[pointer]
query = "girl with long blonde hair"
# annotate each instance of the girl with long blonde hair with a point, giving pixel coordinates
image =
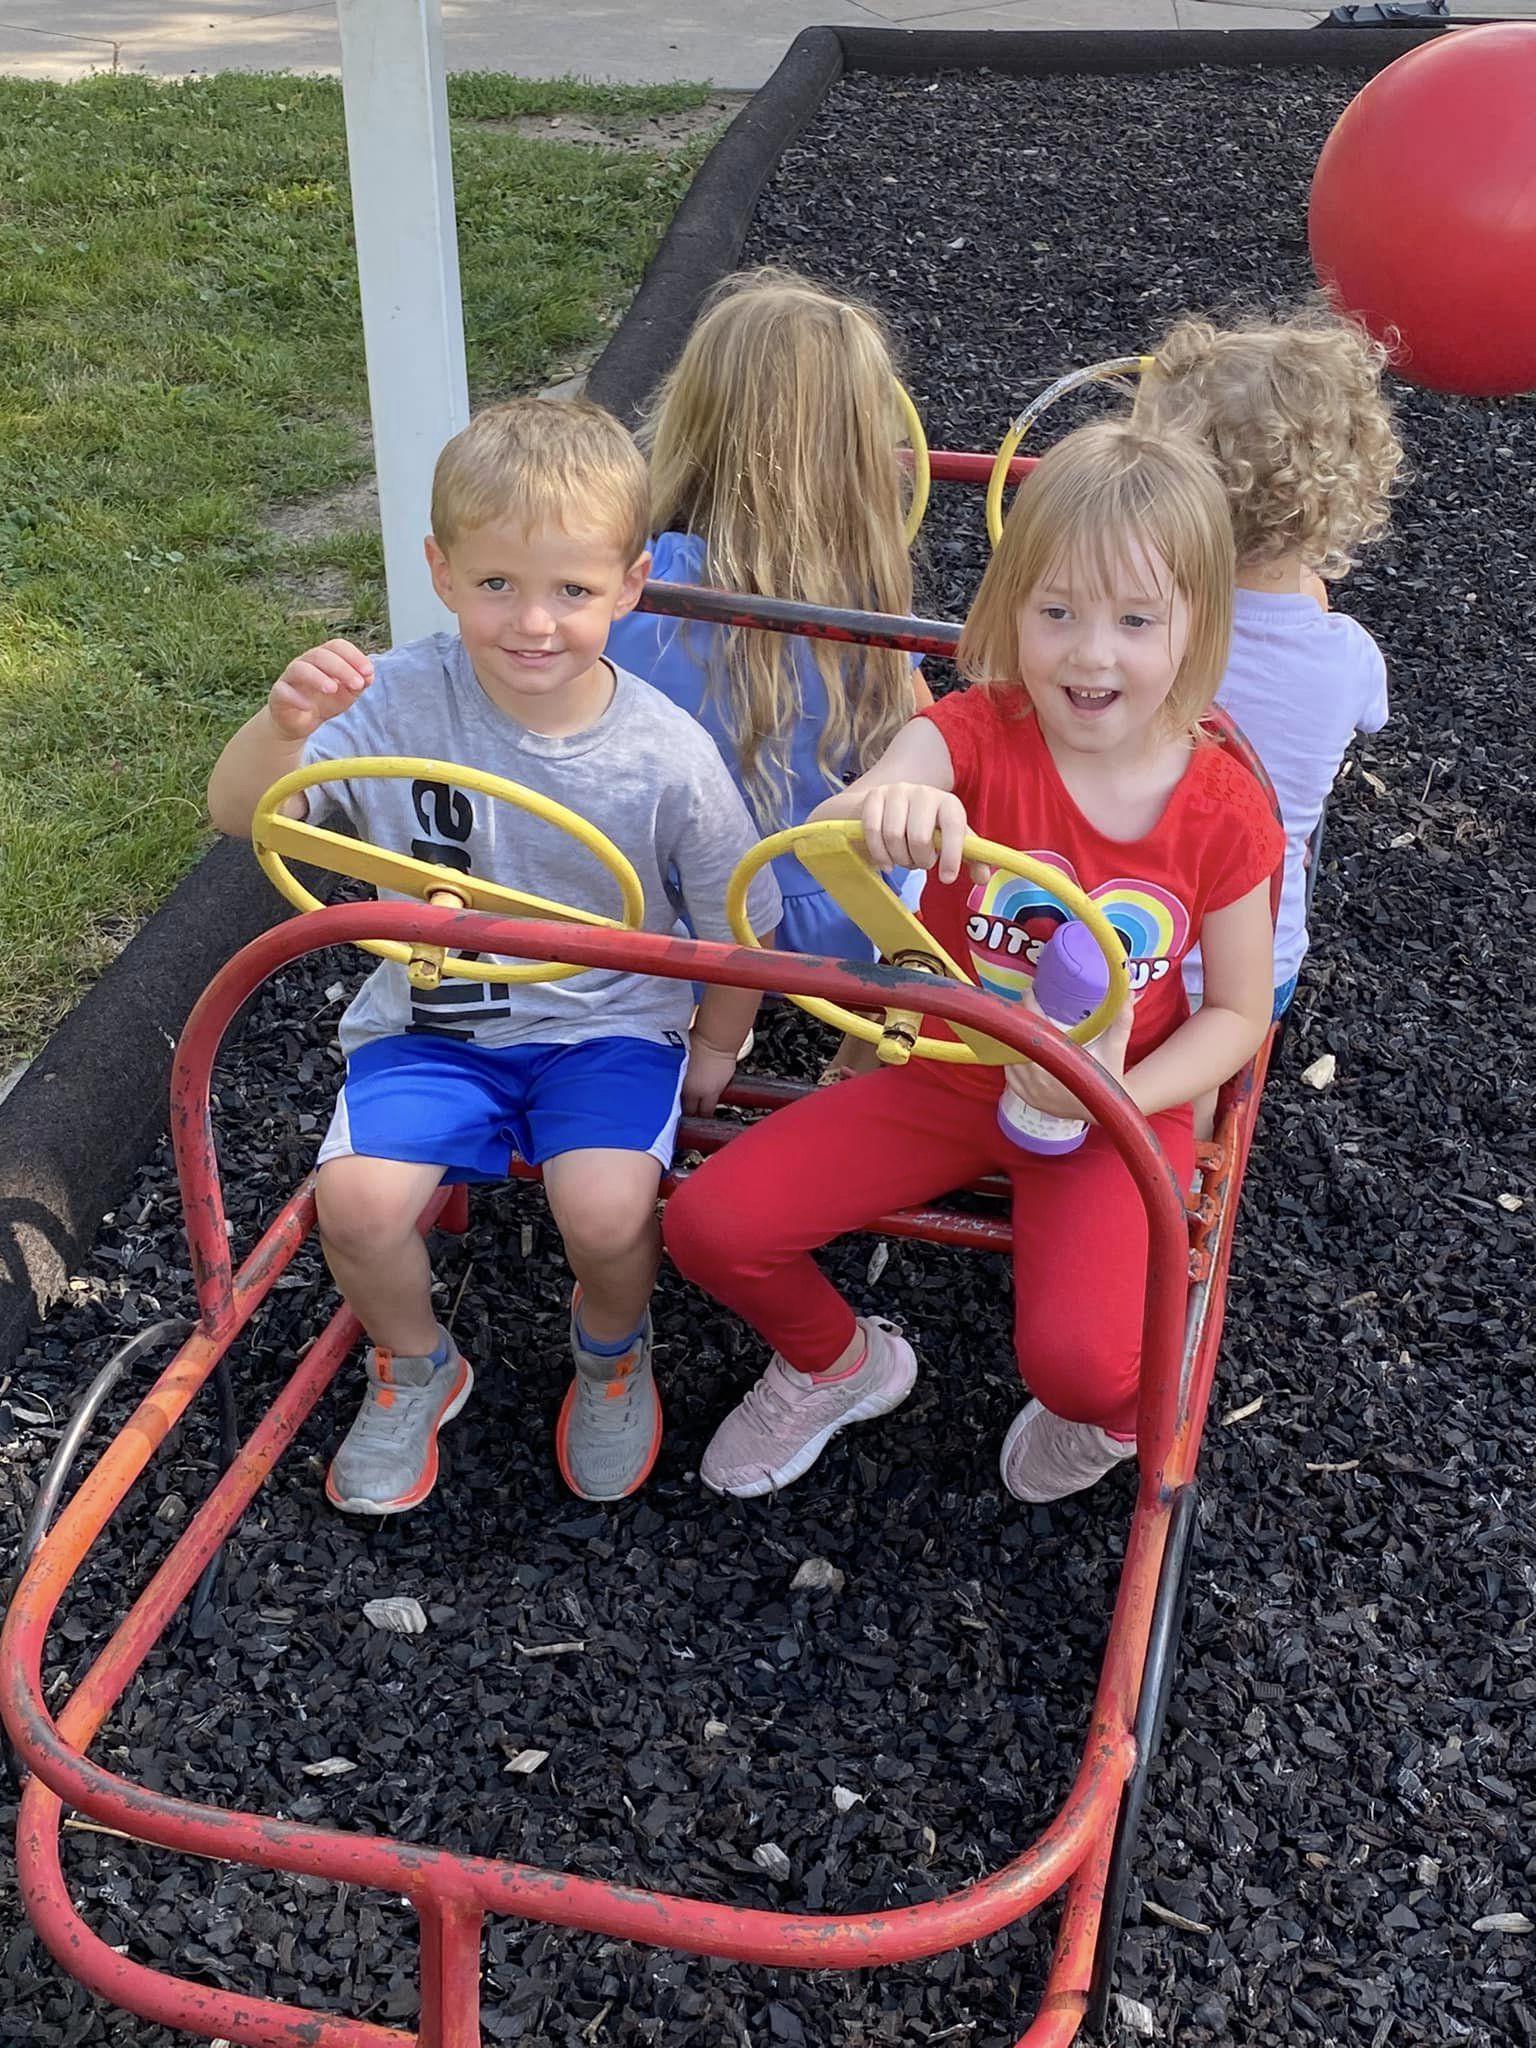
(775, 472)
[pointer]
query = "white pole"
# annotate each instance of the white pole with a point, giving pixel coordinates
(408, 270)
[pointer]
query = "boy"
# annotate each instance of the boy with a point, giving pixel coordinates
(539, 521)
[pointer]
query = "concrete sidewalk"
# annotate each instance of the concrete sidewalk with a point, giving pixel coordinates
(734, 43)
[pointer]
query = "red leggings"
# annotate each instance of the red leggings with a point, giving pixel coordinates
(743, 1227)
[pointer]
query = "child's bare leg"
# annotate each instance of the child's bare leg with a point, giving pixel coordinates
(609, 1431)
(417, 1381)
(368, 1209)
(605, 1204)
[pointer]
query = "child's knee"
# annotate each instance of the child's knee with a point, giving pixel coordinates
(362, 1208)
(609, 1228)
(604, 1214)
(1075, 1382)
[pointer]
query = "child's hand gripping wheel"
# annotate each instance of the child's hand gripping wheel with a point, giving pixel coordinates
(833, 851)
(278, 839)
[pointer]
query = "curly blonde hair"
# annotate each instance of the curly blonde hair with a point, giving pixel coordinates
(774, 439)
(1096, 496)
(1293, 413)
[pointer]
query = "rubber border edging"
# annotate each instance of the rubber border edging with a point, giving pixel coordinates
(85, 1114)
(704, 237)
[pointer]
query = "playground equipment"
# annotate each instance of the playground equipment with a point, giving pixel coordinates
(1085, 1854)
(1422, 220)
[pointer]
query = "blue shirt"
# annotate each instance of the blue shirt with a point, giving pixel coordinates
(674, 656)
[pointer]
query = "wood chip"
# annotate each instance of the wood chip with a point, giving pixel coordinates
(549, 1649)
(845, 1800)
(713, 1730)
(330, 1767)
(525, 1240)
(770, 1857)
(879, 1258)
(1242, 1414)
(1173, 1919)
(1512, 1203)
(1502, 1923)
(402, 1616)
(1427, 1870)
(1321, 1072)
(1137, 2017)
(1348, 1465)
(95, 1827)
(1374, 780)
(816, 1575)
(527, 1761)
(1401, 839)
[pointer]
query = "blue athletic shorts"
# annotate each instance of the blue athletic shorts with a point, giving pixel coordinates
(468, 1108)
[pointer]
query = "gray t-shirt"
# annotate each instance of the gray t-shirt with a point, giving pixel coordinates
(645, 774)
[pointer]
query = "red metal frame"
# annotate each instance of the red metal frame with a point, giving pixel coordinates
(453, 1893)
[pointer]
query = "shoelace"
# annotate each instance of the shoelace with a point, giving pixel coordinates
(389, 1426)
(769, 1402)
(603, 1406)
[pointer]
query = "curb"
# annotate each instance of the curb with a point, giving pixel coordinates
(87, 1111)
(84, 1115)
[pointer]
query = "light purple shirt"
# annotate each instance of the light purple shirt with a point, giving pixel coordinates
(1301, 682)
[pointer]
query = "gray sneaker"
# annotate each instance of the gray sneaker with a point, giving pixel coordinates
(388, 1459)
(610, 1421)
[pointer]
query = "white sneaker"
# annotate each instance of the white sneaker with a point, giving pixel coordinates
(785, 1423)
(1045, 1457)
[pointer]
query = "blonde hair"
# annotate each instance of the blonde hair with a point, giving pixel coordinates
(1096, 494)
(542, 462)
(774, 441)
(1294, 415)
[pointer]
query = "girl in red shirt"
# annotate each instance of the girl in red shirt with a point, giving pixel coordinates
(1102, 622)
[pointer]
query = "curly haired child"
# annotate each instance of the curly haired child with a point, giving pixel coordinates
(1292, 413)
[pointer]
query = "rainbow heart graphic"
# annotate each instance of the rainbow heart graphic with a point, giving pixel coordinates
(1010, 919)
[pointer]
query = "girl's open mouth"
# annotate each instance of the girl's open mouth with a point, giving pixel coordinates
(1090, 701)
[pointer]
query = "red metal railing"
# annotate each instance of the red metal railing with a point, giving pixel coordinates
(453, 1893)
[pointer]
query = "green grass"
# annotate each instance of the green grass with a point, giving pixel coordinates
(180, 354)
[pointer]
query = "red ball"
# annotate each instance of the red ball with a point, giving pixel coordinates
(1422, 221)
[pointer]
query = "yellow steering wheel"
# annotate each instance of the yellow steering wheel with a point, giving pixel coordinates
(1096, 373)
(279, 839)
(833, 851)
(922, 469)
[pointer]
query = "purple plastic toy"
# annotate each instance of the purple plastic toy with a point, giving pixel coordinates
(1071, 980)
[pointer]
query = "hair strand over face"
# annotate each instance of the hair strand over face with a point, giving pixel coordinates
(1098, 497)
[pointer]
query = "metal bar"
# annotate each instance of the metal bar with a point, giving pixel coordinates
(946, 466)
(815, 1941)
(153, 1995)
(809, 621)
(1151, 1709)
(450, 1973)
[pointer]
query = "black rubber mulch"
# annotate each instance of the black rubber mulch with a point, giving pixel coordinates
(1347, 1788)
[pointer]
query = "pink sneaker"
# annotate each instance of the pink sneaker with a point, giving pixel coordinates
(785, 1423)
(1045, 1457)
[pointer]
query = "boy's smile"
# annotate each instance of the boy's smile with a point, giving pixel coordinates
(534, 611)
